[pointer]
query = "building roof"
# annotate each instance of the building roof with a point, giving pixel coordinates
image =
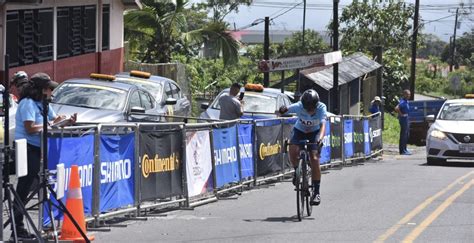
(132, 4)
(276, 36)
(351, 67)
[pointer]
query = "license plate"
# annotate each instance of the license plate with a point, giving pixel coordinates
(466, 148)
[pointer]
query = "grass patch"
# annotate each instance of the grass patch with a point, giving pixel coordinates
(391, 132)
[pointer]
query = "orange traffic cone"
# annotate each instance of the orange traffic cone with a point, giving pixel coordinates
(75, 206)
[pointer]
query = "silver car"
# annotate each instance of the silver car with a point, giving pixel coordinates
(451, 136)
(104, 101)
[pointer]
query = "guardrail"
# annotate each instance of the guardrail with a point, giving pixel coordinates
(128, 168)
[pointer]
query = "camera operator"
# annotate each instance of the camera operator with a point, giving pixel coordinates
(29, 124)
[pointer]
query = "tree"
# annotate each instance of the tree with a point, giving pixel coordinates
(221, 8)
(464, 50)
(432, 46)
(314, 43)
(162, 27)
(368, 24)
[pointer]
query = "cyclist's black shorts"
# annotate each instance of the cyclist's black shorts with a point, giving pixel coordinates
(297, 136)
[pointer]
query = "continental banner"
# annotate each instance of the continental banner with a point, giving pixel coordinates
(225, 155)
(358, 136)
(287, 131)
(269, 149)
(375, 133)
(348, 138)
(161, 164)
(336, 138)
(326, 149)
(117, 171)
(246, 150)
(367, 148)
(198, 162)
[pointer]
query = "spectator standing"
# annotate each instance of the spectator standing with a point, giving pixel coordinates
(231, 106)
(375, 105)
(402, 109)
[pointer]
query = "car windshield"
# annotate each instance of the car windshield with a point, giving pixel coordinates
(90, 96)
(254, 103)
(154, 88)
(458, 112)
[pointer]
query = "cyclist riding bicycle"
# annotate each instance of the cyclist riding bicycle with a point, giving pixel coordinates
(311, 125)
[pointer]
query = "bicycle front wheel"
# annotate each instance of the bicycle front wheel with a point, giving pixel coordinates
(299, 195)
(306, 185)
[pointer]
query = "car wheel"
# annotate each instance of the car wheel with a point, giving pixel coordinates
(435, 161)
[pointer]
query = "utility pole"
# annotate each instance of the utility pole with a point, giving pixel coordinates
(413, 50)
(453, 47)
(302, 48)
(335, 47)
(379, 59)
(266, 51)
(304, 24)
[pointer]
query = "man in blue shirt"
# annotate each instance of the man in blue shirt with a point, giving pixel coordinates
(402, 109)
(310, 125)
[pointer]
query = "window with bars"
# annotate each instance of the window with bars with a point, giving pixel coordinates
(76, 27)
(106, 27)
(29, 36)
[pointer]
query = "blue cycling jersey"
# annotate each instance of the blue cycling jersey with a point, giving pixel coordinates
(306, 122)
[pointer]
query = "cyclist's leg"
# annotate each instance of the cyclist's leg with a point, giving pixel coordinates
(315, 170)
(294, 149)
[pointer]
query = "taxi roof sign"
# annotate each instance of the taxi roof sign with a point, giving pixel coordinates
(469, 96)
(254, 87)
(140, 74)
(100, 76)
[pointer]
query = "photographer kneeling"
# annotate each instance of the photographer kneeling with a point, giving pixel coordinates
(29, 124)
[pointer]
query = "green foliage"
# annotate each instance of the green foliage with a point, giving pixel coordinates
(367, 24)
(432, 46)
(395, 77)
(464, 50)
(391, 133)
(221, 8)
(314, 43)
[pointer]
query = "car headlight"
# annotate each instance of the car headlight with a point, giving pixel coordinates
(438, 134)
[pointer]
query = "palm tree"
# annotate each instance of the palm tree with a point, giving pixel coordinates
(161, 28)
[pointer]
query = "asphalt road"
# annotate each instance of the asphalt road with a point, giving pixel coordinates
(396, 199)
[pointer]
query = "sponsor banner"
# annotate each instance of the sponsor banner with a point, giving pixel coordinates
(348, 139)
(269, 149)
(72, 151)
(117, 171)
(366, 138)
(336, 151)
(287, 131)
(161, 164)
(326, 149)
(225, 155)
(300, 62)
(358, 135)
(375, 133)
(198, 162)
(246, 150)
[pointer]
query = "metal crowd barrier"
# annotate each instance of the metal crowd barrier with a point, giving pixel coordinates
(188, 164)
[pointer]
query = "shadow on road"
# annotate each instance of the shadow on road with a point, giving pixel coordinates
(277, 219)
(452, 164)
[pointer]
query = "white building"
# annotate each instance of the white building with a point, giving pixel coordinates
(64, 38)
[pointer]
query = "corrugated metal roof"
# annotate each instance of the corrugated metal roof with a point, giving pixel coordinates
(351, 67)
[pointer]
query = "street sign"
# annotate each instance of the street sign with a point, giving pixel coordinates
(299, 62)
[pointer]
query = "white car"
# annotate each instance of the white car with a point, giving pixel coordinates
(451, 136)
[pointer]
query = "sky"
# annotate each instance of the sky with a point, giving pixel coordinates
(438, 15)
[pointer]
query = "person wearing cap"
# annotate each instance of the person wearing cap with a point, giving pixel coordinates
(20, 81)
(29, 124)
(375, 105)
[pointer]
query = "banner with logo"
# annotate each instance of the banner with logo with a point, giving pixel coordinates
(376, 133)
(358, 135)
(198, 162)
(117, 171)
(225, 155)
(288, 125)
(348, 139)
(72, 151)
(366, 138)
(269, 149)
(246, 150)
(161, 162)
(326, 149)
(336, 151)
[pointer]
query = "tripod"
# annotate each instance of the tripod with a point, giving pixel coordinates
(8, 190)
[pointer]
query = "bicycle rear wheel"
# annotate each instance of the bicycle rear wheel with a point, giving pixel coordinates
(306, 185)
